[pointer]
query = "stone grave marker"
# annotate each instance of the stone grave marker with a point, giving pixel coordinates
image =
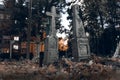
(51, 43)
(80, 43)
(117, 52)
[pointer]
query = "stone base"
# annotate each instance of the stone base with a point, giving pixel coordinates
(51, 50)
(80, 49)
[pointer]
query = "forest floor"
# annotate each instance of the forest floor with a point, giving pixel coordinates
(97, 68)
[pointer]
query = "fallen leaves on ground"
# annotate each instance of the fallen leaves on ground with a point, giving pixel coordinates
(96, 68)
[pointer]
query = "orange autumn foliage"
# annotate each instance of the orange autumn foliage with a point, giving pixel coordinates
(61, 45)
(42, 47)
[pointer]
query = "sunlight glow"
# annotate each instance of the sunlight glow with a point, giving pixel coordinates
(1, 1)
(64, 20)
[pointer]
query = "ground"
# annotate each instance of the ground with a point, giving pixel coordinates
(96, 68)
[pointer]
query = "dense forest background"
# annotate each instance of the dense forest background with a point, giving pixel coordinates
(101, 19)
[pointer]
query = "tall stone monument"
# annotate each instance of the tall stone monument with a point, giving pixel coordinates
(51, 43)
(80, 45)
(117, 52)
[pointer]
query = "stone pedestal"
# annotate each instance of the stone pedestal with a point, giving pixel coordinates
(51, 49)
(80, 49)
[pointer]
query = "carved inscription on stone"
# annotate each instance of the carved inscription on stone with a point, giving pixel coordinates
(83, 49)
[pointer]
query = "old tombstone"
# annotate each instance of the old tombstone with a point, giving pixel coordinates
(117, 52)
(51, 43)
(80, 45)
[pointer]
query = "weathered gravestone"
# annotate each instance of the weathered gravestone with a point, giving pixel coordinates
(117, 52)
(51, 43)
(80, 45)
